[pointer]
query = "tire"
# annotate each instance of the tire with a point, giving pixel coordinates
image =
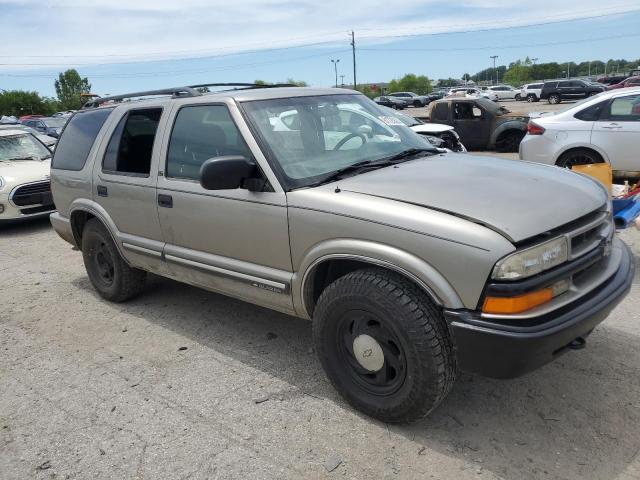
(418, 363)
(554, 99)
(579, 156)
(531, 98)
(509, 141)
(518, 97)
(591, 94)
(395, 106)
(109, 274)
(417, 103)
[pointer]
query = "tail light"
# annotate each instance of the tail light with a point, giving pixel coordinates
(534, 129)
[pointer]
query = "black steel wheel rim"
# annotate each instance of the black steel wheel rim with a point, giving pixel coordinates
(578, 159)
(104, 263)
(390, 378)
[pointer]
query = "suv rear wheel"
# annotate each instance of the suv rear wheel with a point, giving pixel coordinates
(531, 98)
(109, 274)
(554, 99)
(579, 156)
(417, 103)
(384, 345)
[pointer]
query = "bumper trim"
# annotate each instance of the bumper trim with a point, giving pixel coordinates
(62, 226)
(504, 351)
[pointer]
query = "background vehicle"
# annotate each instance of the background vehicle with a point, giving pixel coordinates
(411, 98)
(51, 126)
(50, 142)
(605, 128)
(531, 92)
(558, 90)
(395, 252)
(391, 102)
(505, 92)
(439, 135)
(437, 95)
(480, 123)
(612, 80)
(472, 92)
(24, 176)
(629, 82)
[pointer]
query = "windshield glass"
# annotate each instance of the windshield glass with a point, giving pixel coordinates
(21, 147)
(310, 137)
(55, 122)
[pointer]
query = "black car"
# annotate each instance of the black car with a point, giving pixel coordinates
(391, 102)
(558, 90)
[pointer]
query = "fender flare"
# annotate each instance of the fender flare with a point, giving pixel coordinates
(416, 269)
(503, 127)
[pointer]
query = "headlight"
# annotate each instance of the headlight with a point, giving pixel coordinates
(531, 261)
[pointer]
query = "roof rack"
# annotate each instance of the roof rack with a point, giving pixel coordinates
(188, 91)
(175, 92)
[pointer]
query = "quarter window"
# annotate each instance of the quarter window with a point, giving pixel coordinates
(131, 146)
(207, 131)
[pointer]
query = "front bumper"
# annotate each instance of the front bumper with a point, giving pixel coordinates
(503, 351)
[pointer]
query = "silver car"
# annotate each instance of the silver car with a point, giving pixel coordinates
(315, 202)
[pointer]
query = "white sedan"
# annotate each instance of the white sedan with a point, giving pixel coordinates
(25, 166)
(602, 128)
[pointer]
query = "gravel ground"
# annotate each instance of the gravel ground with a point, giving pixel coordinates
(181, 383)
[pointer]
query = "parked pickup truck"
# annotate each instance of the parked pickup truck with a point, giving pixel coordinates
(481, 123)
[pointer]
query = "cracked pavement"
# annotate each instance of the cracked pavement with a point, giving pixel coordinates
(90, 389)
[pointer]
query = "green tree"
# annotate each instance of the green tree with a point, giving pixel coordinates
(411, 82)
(517, 74)
(19, 102)
(69, 86)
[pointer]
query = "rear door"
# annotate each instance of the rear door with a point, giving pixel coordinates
(124, 183)
(618, 132)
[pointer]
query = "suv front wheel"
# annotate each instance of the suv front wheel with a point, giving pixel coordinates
(108, 272)
(384, 345)
(554, 99)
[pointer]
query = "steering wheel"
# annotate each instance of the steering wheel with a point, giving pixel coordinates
(349, 137)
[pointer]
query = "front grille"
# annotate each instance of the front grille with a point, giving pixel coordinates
(584, 238)
(32, 194)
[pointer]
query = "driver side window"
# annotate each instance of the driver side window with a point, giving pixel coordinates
(199, 133)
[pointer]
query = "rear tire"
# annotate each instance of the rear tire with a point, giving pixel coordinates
(554, 99)
(518, 97)
(412, 364)
(509, 141)
(531, 98)
(109, 274)
(579, 156)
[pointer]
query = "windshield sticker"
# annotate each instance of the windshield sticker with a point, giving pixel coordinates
(390, 120)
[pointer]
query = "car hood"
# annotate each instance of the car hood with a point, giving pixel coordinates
(25, 171)
(517, 199)
(431, 128)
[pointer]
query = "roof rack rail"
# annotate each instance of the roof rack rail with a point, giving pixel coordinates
(176, 92)
(247, 85)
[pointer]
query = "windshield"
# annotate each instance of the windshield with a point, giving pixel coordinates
(311, 137)
(55, 122)
(22, 147)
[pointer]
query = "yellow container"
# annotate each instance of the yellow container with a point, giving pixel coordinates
(599, 171)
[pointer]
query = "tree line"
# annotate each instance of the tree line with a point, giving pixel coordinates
(69, 89)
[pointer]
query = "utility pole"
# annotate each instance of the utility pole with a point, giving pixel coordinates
(495, 72)
(335, 67)
(342, 80)
(567, 69)
(534, 60)
(353, 47)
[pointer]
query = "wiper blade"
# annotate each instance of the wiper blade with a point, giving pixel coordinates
(405, 154)
(24, 158)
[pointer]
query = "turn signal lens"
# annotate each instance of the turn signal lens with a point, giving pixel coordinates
(534, 129)
(521, 303)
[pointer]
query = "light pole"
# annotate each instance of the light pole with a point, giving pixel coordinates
(568, 69)
(494, 67)
(589, 74)
(342, 80)
(534, 60)
(335, 67)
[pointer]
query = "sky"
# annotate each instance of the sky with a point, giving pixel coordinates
(124, 46)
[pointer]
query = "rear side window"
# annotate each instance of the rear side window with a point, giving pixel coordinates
(131, 146)
(592, 113)
(535, 86)
(77, 138)
(203, 132)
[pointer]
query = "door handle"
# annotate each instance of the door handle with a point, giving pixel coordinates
(612, 126)
(102, 191)
(165, 201)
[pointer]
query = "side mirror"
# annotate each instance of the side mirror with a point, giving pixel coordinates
(226, 173)
(365, 130)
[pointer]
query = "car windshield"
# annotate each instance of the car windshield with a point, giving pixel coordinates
(55, 122)
(22, 147)
(312, 137)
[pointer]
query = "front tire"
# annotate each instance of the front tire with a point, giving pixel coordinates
(579, 156)
(109, 274)
(384, 345)
(417, 104)
(554, 99)
(531, 98)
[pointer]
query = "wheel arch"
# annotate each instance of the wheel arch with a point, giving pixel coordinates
(81, 211)
(506, 127)
(577, 146)
(327, 263)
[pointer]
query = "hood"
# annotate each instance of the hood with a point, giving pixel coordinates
(431, 128)
(517, 199)
(24, 171)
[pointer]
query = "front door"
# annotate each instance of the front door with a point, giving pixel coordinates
(618, 132)
(231, 241)
(470, 123)
(124, 185)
